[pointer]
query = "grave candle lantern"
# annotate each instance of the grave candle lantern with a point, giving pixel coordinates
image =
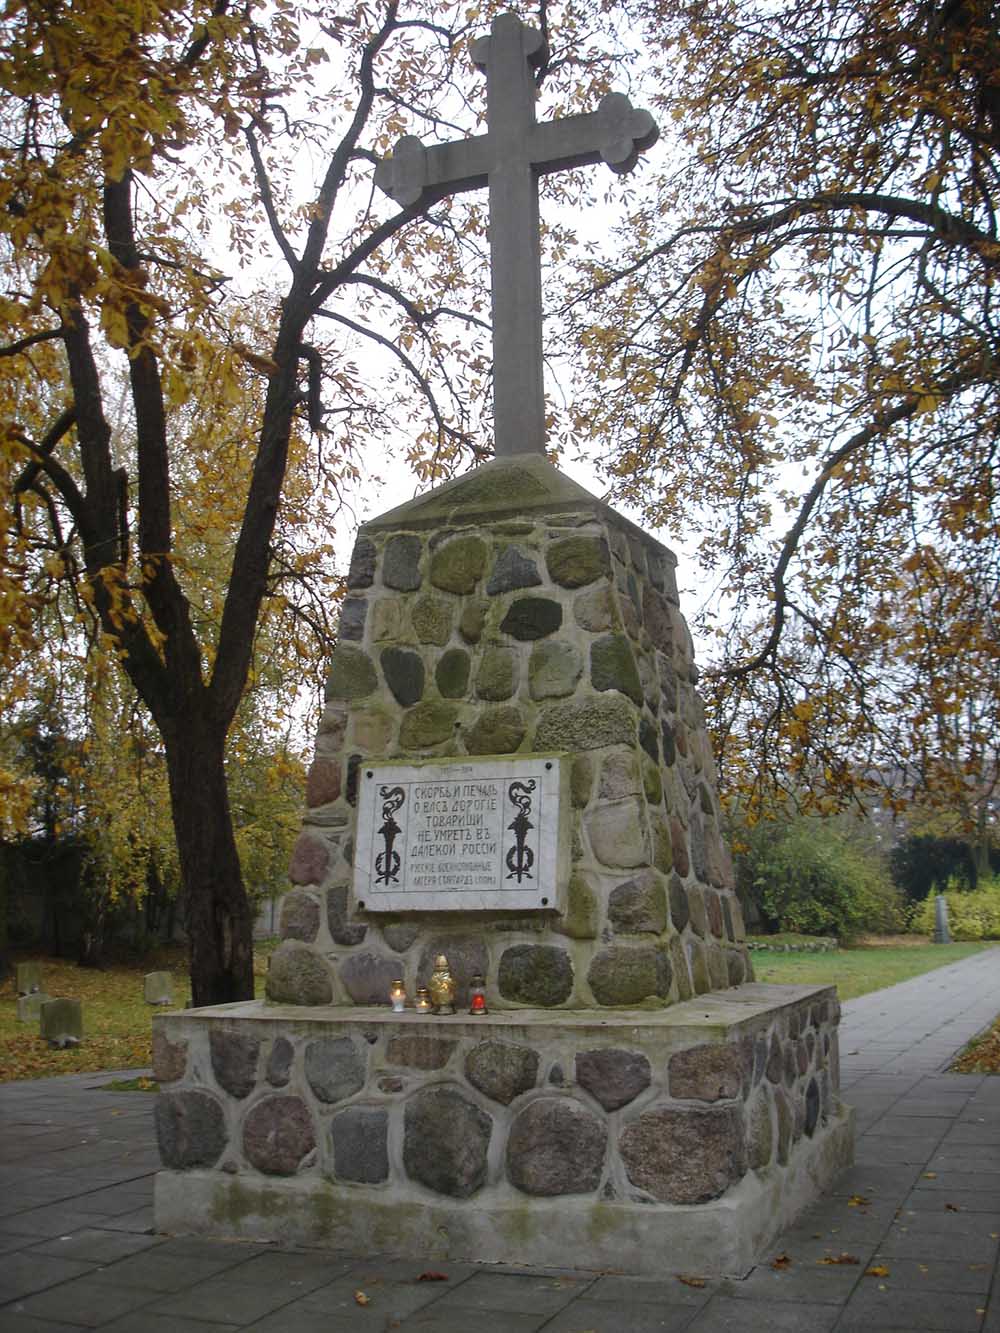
(477, 996)
(423, 1004)
(397, 996)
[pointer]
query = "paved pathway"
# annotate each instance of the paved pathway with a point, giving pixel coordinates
(922, 1202)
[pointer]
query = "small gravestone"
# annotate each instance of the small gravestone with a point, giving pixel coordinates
(29, 978)
(29, 1007)
(61, 1022)
(158, 988)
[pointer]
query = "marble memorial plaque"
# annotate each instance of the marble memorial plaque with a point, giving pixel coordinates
(461, 835)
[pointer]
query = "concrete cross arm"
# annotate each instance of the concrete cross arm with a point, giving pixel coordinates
(414, 173)
(616, 133)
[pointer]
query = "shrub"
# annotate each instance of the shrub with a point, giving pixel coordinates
(816, 877)
(971, 916)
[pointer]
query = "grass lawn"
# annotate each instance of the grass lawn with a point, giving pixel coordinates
(860, 970)
(117, 1021)
(117, 1026)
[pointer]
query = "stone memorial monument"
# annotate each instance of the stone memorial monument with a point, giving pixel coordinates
(512, 818)
(60, 1022)
(158, 988)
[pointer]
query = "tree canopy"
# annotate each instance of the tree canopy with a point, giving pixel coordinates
(185, 200)
(797, 362)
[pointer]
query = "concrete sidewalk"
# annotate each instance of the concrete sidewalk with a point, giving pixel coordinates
(922, 1203)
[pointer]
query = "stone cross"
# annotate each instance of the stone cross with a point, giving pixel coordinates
(509, 158)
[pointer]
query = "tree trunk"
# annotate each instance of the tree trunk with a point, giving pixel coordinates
(218, 914)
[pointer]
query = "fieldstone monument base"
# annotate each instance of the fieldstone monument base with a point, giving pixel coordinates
(644, 1142)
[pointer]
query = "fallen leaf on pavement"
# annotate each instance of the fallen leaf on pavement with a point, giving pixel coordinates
(361, 1298)
(690, 1281)
(432, 1277)
(930, 1175)
(781, 1261)
(877, 1270)
(952, 1208)
(840, 1259)
(858, 1201)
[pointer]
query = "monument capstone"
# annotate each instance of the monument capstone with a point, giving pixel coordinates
(512, 771)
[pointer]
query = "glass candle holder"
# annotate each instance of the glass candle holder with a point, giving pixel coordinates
(397, 996)
(423, 1003)
(477, 996)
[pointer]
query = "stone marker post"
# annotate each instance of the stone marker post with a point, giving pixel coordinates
(28, 977)
(158, 988)
(512, 770)
(61, 1022)
(942, 933)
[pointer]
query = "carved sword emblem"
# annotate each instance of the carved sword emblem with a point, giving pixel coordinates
(520, 858)
(387, 862)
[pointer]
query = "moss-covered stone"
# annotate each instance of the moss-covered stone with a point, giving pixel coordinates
(496, 678)
(297, 975)
(685, 1156)
(445, 1142)
(502, 1070)
(679, 911)
(371, 730)
(595, 609)
(576, 561)
(458, 565)
(582, 917)
(513, 570)
(401, 562)
(639, 906)
(663, 852)
(700, 977)
(322, 781)
(472, 620)
(399, 935)
(554, 669)
(581, 780)
(352, 674)
(338, 917)
(362, 571)
(310, 859)
(652, 783)
(682, 977)
(538, 974)
(648, 739)
(403, 670)
(613, 1077)
(617, 834)
(428, 724)
(496, 731)
(387, 619)
(612, 666)
(431, 618)
(451, 675)
(627, 976)
(586, 724)
(678, 838)
(530, 618)
(556, 1146)
(669, 742)
(299, 916)
(353, 613)
(619, 776)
